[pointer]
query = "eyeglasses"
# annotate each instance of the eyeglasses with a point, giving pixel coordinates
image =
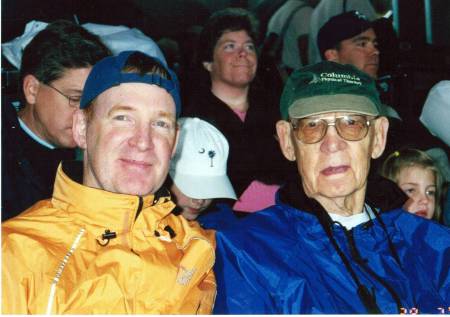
(74, 101)
(350, 128)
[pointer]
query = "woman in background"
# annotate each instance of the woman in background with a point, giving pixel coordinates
(232, 102)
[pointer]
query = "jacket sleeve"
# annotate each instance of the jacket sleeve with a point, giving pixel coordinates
(14, 280)
(436, 250)
(238, 287)
(430, 244)
(208, 287)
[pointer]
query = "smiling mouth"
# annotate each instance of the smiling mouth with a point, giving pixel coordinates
(135, 163)
(332, 170)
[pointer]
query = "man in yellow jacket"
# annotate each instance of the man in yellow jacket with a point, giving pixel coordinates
(108, 243)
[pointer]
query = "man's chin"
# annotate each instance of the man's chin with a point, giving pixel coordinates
(136, 189)
(66, 144)
(372, 71)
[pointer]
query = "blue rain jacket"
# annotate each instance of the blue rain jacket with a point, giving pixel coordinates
(220, 217)
(281, 260)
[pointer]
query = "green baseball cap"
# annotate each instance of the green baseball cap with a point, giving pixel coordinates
(329, 87)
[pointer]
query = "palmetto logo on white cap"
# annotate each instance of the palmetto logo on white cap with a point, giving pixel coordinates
(211, 154)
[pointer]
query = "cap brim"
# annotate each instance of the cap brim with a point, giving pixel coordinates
(204, 187)
(315, 105)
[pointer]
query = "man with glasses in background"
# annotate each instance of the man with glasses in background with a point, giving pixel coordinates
(336, 241)
(54, 68)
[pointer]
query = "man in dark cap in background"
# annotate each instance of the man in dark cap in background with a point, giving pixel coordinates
(349, 38)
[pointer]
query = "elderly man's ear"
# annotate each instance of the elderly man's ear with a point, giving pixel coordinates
(284, 135)
(79, 126)
(381, 128)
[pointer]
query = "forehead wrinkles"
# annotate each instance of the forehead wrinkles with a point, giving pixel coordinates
(135, 95)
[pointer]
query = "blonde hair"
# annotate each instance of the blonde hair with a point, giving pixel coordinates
(408, 157)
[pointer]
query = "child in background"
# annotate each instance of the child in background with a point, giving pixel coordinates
(418, 176)
(198, 170)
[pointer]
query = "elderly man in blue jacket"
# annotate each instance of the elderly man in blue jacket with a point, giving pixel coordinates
(335, 242)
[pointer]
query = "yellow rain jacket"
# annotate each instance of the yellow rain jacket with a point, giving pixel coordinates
(59, 257)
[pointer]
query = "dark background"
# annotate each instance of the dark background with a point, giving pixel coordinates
(422, 60)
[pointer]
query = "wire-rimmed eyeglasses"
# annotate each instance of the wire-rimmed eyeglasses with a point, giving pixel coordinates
(313, 130)
(74, 101)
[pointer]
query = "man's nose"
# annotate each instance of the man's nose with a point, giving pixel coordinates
(242, 51)
(197, 202)
(424, 198)
(373, 48)
(142, 138)
(332, 141)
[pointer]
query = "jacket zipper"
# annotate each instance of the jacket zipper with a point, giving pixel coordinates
(60, 270)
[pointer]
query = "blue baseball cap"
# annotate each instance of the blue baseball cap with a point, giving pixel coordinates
(107, 73)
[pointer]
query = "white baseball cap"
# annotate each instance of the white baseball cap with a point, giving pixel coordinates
(435, 114)
(199, 167)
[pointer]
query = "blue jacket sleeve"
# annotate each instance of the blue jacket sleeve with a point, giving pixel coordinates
(430, 246)
(437, 246)
(238, 287)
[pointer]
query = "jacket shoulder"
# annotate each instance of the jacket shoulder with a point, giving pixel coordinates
(38, 219)
(268, 219)
(271, 229)
(413, 227)
(37, 233)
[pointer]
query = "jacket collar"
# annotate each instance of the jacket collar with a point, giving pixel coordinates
(381, 194)
(103, 209)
